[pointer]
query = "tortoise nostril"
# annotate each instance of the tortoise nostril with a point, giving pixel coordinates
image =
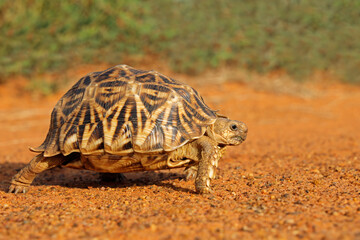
(244, 128)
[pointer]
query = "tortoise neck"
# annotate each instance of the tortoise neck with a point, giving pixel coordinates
(210, 132)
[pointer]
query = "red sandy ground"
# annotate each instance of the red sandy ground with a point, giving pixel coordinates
(296, 176)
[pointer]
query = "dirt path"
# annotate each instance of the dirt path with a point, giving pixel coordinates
(296, 176)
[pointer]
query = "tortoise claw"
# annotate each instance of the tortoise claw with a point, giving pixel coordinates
(190, 175)
(11, 189)
(18, 189)
(190, 172)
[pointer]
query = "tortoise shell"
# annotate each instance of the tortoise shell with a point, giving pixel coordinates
(123, 110)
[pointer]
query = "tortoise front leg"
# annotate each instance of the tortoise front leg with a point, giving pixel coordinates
(207, 164)
(191, 171)
(21, 181)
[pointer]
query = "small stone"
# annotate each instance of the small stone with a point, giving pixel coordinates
(153, 227)
(290, 221)
(246, 229)
(316, 182)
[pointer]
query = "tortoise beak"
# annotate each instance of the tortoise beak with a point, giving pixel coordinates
(240, 139)
(243, 131)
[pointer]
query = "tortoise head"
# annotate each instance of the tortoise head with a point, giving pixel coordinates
(229, 132)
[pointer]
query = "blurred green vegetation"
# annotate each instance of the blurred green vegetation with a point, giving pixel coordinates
(299, 36)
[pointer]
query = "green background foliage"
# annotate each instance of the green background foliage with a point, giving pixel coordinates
(299, 36)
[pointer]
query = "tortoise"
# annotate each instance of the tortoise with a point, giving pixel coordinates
(125, 120)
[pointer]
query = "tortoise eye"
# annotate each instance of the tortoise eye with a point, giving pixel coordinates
(233, 127)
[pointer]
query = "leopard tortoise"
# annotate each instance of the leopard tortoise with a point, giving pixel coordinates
(126, 120)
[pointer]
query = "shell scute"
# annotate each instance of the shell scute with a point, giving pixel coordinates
(146, 78)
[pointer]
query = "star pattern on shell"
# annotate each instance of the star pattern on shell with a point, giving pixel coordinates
(123, 110)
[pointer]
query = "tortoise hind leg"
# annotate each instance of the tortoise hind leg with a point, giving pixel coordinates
(20, 183)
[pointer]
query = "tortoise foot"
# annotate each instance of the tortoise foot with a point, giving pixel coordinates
(18, 188)
(205, 190)
(191, 173)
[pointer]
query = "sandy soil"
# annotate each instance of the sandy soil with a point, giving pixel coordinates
(296, 176)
